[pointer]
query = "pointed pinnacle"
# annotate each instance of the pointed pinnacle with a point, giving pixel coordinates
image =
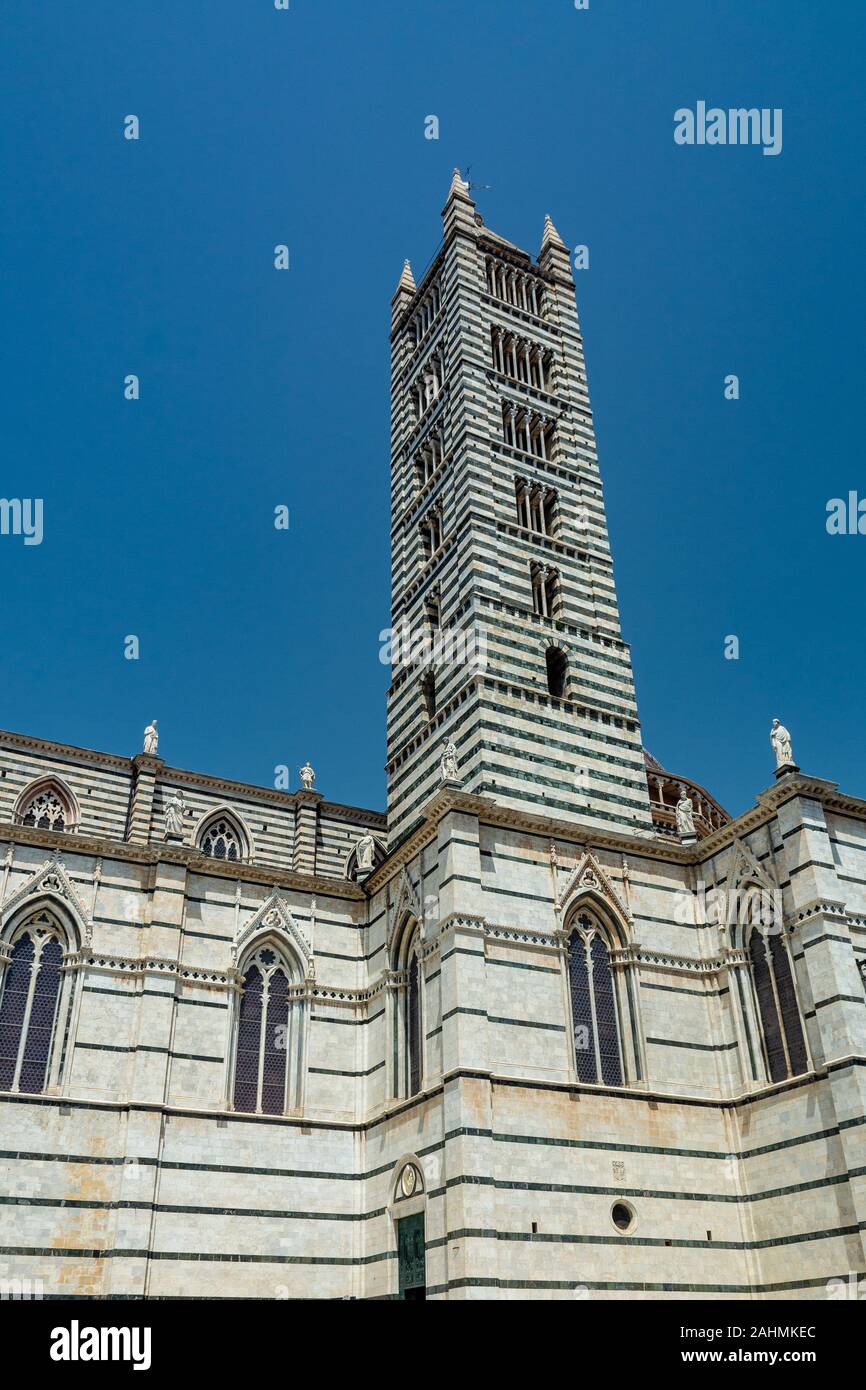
(551, 235)
(407, 279)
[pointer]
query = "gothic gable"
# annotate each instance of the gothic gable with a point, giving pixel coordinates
(51, 880)
(406, 901)
(589, 878)
(274, 915)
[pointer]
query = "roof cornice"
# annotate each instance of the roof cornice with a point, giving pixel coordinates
(271, 796)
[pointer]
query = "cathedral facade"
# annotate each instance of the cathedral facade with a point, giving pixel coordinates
(554, 1026)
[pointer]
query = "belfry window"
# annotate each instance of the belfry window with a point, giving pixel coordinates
(528, 430)
(433, 611)
(776, 995)
(514, 287)
(594, 1015)
(428, 384)
(557, 672)
(520, 358)
(32, 1018)
(545, 590)
(430, 530)
(424, 317)
(264, 1042)
(536, 507)
(429, 457)
(428, 691)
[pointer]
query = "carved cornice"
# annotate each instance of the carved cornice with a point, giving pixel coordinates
(162, 852)
(87, 757)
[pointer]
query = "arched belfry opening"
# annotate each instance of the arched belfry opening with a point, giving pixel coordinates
(557, 673)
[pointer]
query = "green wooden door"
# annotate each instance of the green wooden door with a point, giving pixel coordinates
(412, 1275)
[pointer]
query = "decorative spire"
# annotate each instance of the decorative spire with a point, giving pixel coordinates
(407, 279)
(458, 185)
(551, 235)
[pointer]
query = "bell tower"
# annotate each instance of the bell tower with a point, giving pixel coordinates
(505, 629)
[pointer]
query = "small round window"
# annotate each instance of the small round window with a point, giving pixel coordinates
(622, 1216)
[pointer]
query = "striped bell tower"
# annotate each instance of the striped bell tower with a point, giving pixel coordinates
(505, 629)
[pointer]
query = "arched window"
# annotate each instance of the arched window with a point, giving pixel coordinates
(413, 1024)
(222, 838)
(557, 672)
(428, 690)
(30, 992)
(775, 991)
(264, 1042)
(46, 805)
(408, 1017)
(597, 1049)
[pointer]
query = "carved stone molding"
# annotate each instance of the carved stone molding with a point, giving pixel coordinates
(52, 880)
(275, 915)
(589, 877)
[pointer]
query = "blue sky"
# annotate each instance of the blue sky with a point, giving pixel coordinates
(261, 388)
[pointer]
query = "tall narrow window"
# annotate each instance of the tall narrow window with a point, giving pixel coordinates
(29, 1032)
(263, 1029)
(428, 691)
(597, 1050)
(557, 672)
(433, 611)
(776, 996)
(431, 532)
(406, 1006)
(249, 1043)
(413, 1026)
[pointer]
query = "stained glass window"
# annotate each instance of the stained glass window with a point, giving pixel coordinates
(581, 1010)
(221, 840)
(413, 1026)
(605, 1015)
(13, 1008)
(28, 1006)
(249, 1041)
(275, 1040)
(263, 1036)
(775, 992)
(597, 1053)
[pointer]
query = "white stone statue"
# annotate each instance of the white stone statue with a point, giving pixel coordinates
(365, 850)
(781, 741)
(151, 739)
(174, 812)
(685, 815)
(308, 777)
(448, 765)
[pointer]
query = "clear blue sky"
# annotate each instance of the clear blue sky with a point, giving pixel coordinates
(257, 388)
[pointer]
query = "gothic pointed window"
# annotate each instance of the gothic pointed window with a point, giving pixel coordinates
(776, 996)
(408, 1017)
(221, 838)
(46, 805)
(31, 1038)
(413, 1026)
(597, 1050)
(264, 1041)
